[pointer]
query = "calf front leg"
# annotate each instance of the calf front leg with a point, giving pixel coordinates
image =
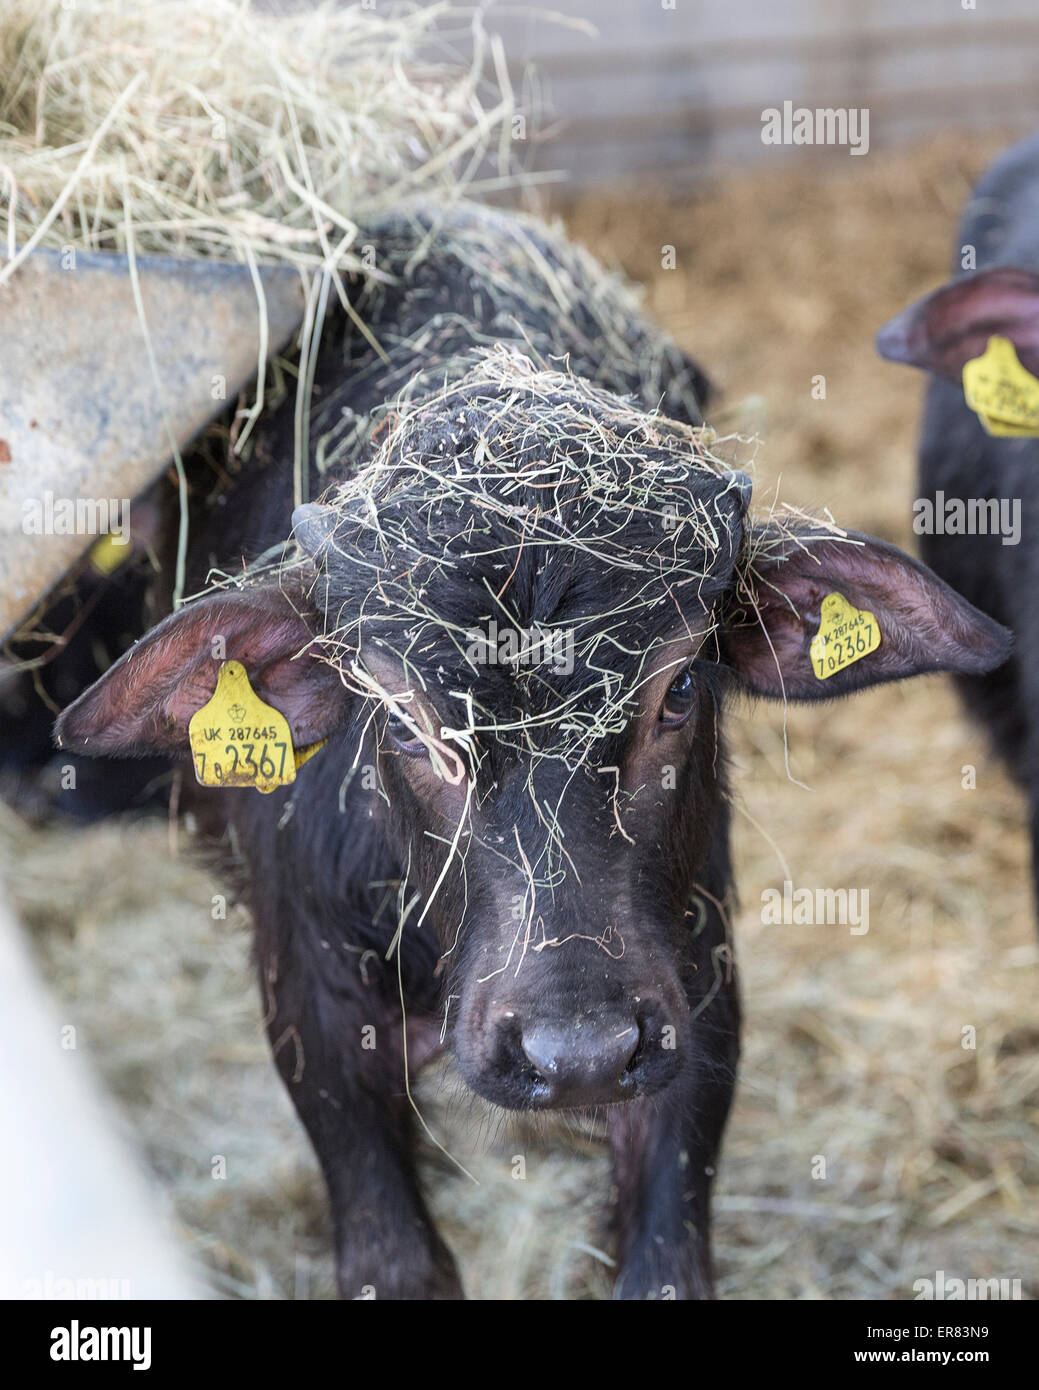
(338, 1047)
(665, 1150)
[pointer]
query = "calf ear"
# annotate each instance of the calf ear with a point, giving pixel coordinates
(924, 625)
(143, 703)
(947, 328)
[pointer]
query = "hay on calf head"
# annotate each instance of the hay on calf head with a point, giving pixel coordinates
(520, 498)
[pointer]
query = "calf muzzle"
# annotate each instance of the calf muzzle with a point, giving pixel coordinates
(533, 1060)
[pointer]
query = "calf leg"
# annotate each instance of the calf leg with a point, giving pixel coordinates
(665, 1151)
(338, 1047)
(1026, 767)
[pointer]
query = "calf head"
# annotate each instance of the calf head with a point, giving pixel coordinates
(528, 609)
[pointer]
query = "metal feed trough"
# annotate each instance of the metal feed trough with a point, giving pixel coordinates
(91, 403)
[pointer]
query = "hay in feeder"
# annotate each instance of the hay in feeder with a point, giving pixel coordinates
(204, 128)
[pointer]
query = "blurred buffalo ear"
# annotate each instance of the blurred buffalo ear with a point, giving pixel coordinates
(143, 703)
(925, 626)
(947, 328)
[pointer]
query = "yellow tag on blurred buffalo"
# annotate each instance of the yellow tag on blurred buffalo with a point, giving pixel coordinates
(846, 634)
(1003, 393)
(109, 552)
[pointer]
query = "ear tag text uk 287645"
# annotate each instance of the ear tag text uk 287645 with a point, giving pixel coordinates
(237, 740)
(846, 634)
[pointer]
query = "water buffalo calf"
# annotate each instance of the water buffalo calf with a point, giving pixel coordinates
(515, 616)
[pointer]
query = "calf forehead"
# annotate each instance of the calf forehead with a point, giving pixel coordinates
(522, 556)
(525, 498)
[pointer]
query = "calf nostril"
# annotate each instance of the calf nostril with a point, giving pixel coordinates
(629, 1042)
(532, 1068)
(638, 1051)
(541, 1048)
(586, 1056)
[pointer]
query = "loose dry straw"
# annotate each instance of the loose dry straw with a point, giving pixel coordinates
(241, 133)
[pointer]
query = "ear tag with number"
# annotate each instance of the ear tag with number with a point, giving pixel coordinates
(239, 741)
(846, 634)
(1003, 394)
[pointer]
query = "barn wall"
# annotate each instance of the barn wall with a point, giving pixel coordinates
(681, 90)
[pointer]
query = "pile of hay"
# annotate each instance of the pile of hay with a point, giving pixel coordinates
(205, 128)
(514, 460)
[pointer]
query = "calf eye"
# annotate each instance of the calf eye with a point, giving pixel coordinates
(403, 736)
(679, 700)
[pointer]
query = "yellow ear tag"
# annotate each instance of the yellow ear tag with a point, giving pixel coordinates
(239, 741)
(1003, 394)
(109, 552)
(846, 634)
